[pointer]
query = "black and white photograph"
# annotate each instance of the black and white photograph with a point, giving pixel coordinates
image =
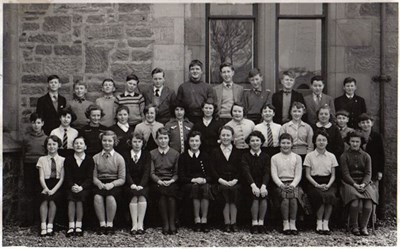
(199, 124)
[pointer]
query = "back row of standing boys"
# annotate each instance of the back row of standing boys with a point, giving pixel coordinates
(219, 114)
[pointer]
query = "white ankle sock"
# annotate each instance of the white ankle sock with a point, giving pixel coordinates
(292, 224)
(286, 225)
(319, 225)
(325, 225)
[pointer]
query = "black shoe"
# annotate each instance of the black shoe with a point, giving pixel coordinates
(140, 231)
(197, 227)
(165, 231)
(364, 232)
(133, 232)
(262, 229)
(173, 231)
(78, 231)
(110, 231)
(70, 232)
(254, 229)
(205, 228)
(234, 228)
(50, 233)
(327, 232)
(101, 230)
(227, 228)
(355, 232)
(294, 232)
(287, 232)
(319, 231)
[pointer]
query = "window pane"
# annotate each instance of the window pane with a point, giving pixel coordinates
(300, 8)
(231, 41)
(231, 9)
(300, 44)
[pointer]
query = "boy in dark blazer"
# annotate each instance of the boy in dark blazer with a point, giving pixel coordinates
(283, 100)
(159, 95)
(351, 102)
(49, 105)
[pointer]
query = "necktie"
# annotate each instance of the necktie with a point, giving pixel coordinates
(65, 139)
(135, 158)
(287, 92)
(228, 85)
(157, 92)
(53, 173)
(269, 136)
(107, 155)
(55, 102)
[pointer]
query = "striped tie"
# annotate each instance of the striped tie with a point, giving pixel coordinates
(53, 172)
(65, 139)
(270, 138)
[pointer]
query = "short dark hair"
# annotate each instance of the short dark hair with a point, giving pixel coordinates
(355, 134)
(132, 77)
(136, 135)
(52, 77)
(157, 70)
(288, 73)
(108, 79)
(35, 116)
(226, 127)
(93, 107)
(162, 131)
(196, 63)
(79, 137)
(285, 136)
(174, 105)
(270, 106)
(255, 134)
(147, 107)
(240, 105)
(364, 116)
(298, 105)
(343, 113)
(226, 64)
(209, 102)
(55, 139)
(321, 132)
(194, 133)
(326, 106)
(80, 83)
(65, 111)
(120, 108)
(254, 72)
(349, 80)
(317, 78)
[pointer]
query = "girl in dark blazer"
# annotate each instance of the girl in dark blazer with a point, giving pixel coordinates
(122, 129)
(137, 163)
(78, 181)
(256, 166)
(195, 175)
(226, 171)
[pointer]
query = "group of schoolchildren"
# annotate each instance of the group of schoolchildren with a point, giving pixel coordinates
(205, 144)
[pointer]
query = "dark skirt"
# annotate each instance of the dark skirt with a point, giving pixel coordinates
(198, 191)
(229, 194)
(133, 192)
(50, 183)
(297, 193)
(350, 193)
(169, 191)
(115, 192)
(318, 197)
(252, 197)
(80, 196)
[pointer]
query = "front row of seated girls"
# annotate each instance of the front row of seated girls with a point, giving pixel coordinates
(225, 176)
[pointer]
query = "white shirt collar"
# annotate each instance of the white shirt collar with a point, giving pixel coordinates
(126, 93)
(319, 125)
(56, 156)
(62, 128)
(266, 123)
(226, 84)
(317, 153)
(124, 127)
(137, 154)
(191, 153)
(52, 95)
(163, 151)
(254, 153)
(206, 122)
(159, 89)
(80, 158)
(228, 148)
(349, 96)
(111, 152)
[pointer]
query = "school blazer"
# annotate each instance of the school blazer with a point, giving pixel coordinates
(167, 98)
(313, 107)
(277, 100)
(45, 108)
(237, 94)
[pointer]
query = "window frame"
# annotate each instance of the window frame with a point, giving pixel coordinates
(324, 40)
(230, 17)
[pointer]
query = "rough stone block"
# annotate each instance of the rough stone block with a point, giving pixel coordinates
(77, 18)
(24, 102)
(66, 38)
(140, 55)
(43, 49)
(392, 43)
(133, 18)
(168, 52)
(120, 71)
(169, 10)
(139, 43)
(392, 9)
(139, 32)
(132, 7)
(76, 32)
(42, 38)
(120, 55)
(31, 89)
(30, 26)
(361, 59)
(102, 5)
(163, 30)
(33, 101)
(95, 19)
(34, 79)
(40, 6)
(32, 68)
(194, 31)
(57, 23)
(96, 59)
(369, 9)
(97, 32)
(31, 18)
(35, 13)
(352, 10)
(68, 50)
(62, 65)
(354, 32)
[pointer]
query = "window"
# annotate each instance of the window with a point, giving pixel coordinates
(301, 42)
(231, 38)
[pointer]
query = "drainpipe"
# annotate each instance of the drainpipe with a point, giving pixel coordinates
(382, 78)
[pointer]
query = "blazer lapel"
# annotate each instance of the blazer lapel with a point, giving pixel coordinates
(164, 94)
(50, 102)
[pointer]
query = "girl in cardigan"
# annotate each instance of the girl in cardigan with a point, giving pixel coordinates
(108, 178)
(357, 190)
(148, 128)
(194, 173)
(209, 127)
(137, 176)
(179, 128)
(226, 170)
(286, 174)
(320, 173)
(122, 129)
(78, 182)
(164, 172)
(241, 126)
(256, 166)
(51, 177)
